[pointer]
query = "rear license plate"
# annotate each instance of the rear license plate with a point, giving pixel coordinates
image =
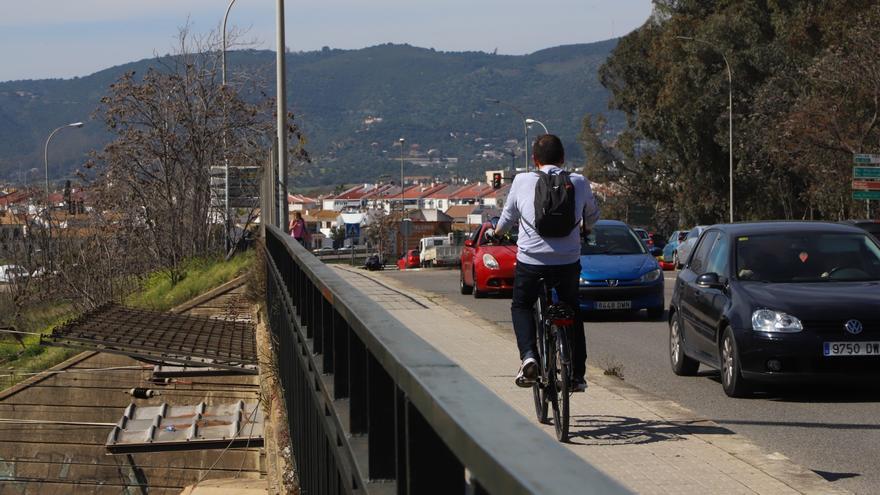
(613, 305)
(851, 349)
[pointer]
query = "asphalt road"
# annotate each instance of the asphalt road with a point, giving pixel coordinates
(834, 431)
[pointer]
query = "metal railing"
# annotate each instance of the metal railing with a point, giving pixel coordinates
(373, 408)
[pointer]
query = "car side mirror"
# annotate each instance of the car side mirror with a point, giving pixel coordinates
(468, 243)
(710, 281)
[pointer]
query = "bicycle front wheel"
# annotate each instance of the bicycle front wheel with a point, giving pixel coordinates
(561, 390)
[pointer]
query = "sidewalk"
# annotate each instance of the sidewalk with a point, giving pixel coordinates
(650, 445)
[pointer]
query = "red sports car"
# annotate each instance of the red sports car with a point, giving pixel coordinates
(487, 266)
(409, 260)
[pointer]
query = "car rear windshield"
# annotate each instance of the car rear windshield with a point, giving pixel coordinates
(807, 257)
(612, 239)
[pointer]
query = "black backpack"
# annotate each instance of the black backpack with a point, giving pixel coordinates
(554, 204)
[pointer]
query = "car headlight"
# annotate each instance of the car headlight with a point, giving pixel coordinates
(583, 281)
(651, 276)
(767, 320)
(490, 262)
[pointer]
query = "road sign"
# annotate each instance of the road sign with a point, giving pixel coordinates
(866, 172)
(866, 158)
(866, 195)
(866, 185)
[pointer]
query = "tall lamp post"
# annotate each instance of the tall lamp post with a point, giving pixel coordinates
(46, 154)
(522, 117)
(281, 123)
(729, 109)
(402, 209)
(533, 121)
(227, 225)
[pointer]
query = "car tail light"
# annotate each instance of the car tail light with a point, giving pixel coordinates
(562, 322)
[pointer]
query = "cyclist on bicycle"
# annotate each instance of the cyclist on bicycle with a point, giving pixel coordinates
(555, 259)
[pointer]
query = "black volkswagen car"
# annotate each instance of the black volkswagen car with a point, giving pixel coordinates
(774, 301)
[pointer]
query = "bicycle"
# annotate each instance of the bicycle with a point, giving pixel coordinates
(553, 320)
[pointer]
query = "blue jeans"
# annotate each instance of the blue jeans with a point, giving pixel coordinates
(522, 309)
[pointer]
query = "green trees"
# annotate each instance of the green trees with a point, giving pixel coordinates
(803, 78)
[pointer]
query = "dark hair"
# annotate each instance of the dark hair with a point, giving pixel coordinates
(548, 150)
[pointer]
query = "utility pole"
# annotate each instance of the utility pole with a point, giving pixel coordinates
(226, 220)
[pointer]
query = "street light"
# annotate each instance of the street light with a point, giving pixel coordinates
(227, 225)
(402, 210)
(46, 154)
(522, 116)
(533, 121)
(729, 110)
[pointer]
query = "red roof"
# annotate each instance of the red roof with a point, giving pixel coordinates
(14, 197)
(503, 190)
(356, 192)
(473, 191)
(417, 192)
(446, 191)
(299, 198)
(383, 191)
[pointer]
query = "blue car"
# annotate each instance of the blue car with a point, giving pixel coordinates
(618, 273)
(670, 252)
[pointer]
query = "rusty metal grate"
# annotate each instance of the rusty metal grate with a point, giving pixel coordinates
(161, 337)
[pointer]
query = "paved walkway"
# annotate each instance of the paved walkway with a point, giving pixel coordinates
(651, 445)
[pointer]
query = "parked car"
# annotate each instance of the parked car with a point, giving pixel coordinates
(778, 301)
(617, 272)
(669, 260)
(685, 247)
(870, 226)
(487, 265)
(323, 250)
(410, 259)
(11, 273)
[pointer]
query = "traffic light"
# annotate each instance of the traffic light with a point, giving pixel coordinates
(496, 180)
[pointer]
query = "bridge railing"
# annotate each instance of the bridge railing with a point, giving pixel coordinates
(373, 408)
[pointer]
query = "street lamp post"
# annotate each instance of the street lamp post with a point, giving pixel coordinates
(281, 123)
(46, 154)
(533, 121)
(729, 110)
(402, 208)
(522, 117)
(227, 224)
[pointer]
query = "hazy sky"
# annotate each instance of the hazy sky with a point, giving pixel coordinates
(64, 38)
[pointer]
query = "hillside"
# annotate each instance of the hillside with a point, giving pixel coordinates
(352, 104)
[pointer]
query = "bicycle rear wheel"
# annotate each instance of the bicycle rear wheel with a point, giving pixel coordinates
(539, 391)
(561, 389)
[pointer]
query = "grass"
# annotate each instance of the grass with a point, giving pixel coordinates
(29, 356)
(202, 275)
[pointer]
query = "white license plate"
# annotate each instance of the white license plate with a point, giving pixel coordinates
(851, 349)
(613, 305)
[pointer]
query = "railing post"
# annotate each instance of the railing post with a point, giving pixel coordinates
(357, 385)
(400, 405)
(341, 332)
(328, 322)
(431, 466)
(381, 438)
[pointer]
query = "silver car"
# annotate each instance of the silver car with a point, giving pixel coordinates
(685, 248)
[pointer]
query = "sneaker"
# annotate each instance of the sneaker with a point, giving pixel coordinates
(528, 373)
(578, 385)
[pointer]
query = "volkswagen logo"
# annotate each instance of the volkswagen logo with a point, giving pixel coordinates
(854, 327)
(613, 283)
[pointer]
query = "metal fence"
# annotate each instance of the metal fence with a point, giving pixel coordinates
(373, 408)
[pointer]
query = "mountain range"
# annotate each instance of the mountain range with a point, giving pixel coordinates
(352, 105)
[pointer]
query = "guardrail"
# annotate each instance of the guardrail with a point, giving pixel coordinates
(373, 408)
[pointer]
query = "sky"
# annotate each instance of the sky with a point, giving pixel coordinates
(66, 38)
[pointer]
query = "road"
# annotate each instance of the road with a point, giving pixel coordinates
(832, 430)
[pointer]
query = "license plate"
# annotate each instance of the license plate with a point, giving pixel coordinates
(613, 305)
(851, 349)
